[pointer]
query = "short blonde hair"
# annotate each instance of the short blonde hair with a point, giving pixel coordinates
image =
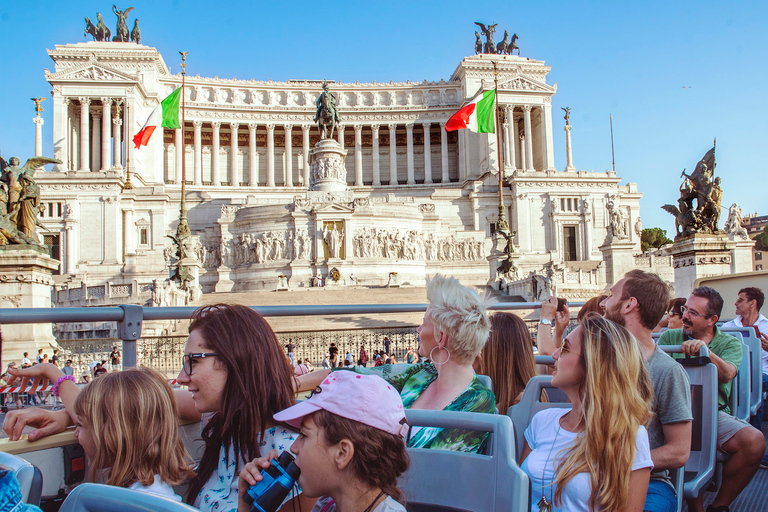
(134, 421)
(460, 312)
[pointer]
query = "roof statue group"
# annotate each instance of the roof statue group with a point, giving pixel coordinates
(20, 200)
(100, 32)
(703, 187)
(505, 47)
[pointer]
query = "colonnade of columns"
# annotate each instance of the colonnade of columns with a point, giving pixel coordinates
(89, 133)
(518, 146)
(251, 178)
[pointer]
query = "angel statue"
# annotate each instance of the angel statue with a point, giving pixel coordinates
(488, 33)
(122, 27)
(19, 200)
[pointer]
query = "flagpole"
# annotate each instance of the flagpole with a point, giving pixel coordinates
(127, 185)
(183, 229)
(613, 157)
(502, 225)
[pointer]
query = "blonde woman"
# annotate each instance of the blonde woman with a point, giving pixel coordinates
(596, 455)
(454, 331)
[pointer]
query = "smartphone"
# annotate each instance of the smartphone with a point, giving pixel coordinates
(561, 303)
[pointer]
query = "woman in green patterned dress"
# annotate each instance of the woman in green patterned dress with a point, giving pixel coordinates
(455, 329)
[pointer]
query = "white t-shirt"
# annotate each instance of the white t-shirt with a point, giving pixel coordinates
(220, 491)
(548, 444)
(158, 487)
(762, 324)
(326, 504)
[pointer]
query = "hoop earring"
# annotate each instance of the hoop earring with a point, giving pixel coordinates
(433, 359)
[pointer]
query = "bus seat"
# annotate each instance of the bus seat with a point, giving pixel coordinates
(486, 381)
(678, 479)
(106, 498)
(548, 360)
(749, 337)
(522, 412)
(741, 384)
(440, 480)
(29, 476)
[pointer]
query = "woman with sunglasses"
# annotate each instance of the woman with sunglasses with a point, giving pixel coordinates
(595, 455)
(238, 377)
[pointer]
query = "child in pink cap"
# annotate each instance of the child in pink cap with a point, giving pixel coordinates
(347, 423)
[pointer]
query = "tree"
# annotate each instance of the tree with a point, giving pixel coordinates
(653, 237)
(761, 240)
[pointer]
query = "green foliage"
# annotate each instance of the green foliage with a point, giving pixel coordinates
(653, 237)
(762, 240)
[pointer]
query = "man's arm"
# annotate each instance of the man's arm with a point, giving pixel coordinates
(726, 370)
(675, 451)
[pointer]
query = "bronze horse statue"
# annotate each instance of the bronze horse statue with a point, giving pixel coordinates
(90, 28)
(102, 31)
(512, 46)
(327, 117)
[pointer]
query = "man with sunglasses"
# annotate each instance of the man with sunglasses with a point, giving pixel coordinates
(638, 302)
(744, 443)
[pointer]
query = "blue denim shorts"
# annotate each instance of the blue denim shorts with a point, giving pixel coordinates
(661, 497)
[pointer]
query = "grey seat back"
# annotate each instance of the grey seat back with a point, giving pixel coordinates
(29, 476)
(522, 412)
(440, 480)
(485, 381)
(738, 400)
(749, 337)
(106, 498)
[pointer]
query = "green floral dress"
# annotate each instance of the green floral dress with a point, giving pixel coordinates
(412, 379)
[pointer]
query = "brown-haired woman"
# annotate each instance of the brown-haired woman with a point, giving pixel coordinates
(238, 377)
(507, 358)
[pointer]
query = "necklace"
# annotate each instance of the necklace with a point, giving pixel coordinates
(370, 507)
(545, 505)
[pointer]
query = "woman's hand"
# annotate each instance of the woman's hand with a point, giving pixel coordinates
(46, 423)
(250, 475)
(562, 319)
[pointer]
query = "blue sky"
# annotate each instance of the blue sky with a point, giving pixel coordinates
(629, 59)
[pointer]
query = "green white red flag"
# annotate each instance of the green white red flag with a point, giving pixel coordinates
(165, 115)
(476, 116)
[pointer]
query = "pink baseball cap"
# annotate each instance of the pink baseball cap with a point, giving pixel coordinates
(365, 398)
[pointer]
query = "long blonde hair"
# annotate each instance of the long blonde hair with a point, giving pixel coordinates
(133, 418)
(508, 358)
(616, 396)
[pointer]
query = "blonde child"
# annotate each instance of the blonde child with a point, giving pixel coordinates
(346, 425)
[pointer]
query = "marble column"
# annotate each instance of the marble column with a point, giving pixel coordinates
(446, 177)
(253, 163)
(548, 146)
(288, 155)
(38, 135)
(568, 153)
(509, 139)
(358, 155)
(70, 262)
(106, 117)
(271, 155)
(60, 119)
(234, 170)
(215, 176)
(522, 153)
(392, 154)
(427, 153)
(409, 153)
(340, 129)
(198, 141)
(528, 138)
(95, 140)
(516, 148)
(305, 128)
(117, 161)
(376, 163)
(178, 144)
(84, 133)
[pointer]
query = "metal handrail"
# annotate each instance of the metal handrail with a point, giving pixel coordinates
(129, 317)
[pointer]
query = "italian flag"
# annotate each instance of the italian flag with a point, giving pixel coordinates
(166, 115)
(477, 115)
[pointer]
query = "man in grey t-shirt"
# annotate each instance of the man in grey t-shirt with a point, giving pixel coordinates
(638, 302)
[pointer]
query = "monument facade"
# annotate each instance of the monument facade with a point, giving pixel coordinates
(267, 197)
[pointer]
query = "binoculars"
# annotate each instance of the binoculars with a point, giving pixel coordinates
(277, 480)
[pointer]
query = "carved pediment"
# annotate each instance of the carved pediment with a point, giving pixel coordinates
(90, 71)
(334, 208)
(522, 83)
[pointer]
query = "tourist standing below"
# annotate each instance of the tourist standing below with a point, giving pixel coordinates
(594, 456)
(67, 369)
(363, 356)
(333, 350)
(55, 357)
(114, 358)
(638, 302)
(410, 357)
(326, 363)
(290, 348)
(744, 443)
(25, 361)
(387, 343)
(39, 356)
